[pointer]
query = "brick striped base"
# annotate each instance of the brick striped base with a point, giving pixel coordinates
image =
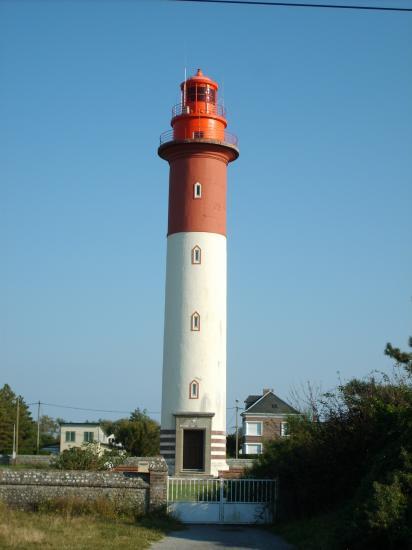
(168, 444)
(218, 445)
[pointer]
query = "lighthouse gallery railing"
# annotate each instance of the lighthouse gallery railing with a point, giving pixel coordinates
(230, 139)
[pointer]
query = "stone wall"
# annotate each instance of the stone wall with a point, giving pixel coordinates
(240, 462)
(27, 488)
(237, 468)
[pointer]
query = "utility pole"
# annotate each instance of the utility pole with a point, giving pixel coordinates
(17, 426)
(237, 431)
(13, 456)
(38, 427)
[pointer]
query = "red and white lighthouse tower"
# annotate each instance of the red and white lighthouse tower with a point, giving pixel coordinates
(198, 149)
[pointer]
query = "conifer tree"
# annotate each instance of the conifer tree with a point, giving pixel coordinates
(27, 428)
(402, 358)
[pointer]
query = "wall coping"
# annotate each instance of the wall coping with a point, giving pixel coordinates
(66, 478)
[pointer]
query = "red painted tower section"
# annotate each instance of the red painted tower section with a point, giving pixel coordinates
(198, 147)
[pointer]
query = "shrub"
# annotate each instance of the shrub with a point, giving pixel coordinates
(356, 460)
(88, 457)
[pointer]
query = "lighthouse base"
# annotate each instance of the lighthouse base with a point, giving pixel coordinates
(199, 451)
(218, 466)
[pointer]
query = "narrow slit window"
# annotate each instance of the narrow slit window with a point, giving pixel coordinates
(196, 255)
(194, 390)
(197, 190)
(195, 321)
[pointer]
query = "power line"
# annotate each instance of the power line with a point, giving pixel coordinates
(231, 418)
(89, 409)
(297, 5)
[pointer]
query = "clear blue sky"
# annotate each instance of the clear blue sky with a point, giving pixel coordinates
(319, 209)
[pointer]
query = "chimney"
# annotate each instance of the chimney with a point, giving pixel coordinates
(267, 390)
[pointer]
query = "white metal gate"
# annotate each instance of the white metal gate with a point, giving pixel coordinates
(222, 500)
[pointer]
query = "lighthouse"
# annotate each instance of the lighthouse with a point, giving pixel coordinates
(198, 150)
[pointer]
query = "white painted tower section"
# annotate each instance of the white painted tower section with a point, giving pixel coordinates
(189, 354)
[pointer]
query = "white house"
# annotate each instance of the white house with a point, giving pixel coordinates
(75, 434)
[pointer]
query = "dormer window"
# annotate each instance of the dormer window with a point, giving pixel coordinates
(197, 190)
(196, 255)
(195, 321)
(194, 390)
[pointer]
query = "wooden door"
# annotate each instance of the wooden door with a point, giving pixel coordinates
(193, 449)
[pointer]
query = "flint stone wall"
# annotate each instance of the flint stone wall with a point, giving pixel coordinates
(28, 488)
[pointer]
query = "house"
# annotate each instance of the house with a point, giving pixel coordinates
(75, 434)
(265, 417)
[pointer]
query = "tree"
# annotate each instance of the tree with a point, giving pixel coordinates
(231, 445)
(355, 462)
(49, 430)
(305, 399)
(8, 413)
(402, 358)
(139, 434)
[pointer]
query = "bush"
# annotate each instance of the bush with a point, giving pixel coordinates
(356, 460)
(88, 457)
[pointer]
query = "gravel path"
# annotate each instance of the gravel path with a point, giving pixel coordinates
(218, 537)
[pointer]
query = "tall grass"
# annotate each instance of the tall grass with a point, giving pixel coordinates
(103, 507)
(66, 524)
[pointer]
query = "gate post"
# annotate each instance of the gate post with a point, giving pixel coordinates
(158, 484)
(221, 501)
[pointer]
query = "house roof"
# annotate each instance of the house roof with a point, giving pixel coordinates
(80, 424)
(250, 399)
(269, 403)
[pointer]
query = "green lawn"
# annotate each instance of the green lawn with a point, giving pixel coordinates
(57, 531)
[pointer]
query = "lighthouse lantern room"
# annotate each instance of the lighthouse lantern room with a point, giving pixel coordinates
(198, 149)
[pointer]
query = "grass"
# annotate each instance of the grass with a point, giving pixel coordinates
(317, 533)
(63, 531)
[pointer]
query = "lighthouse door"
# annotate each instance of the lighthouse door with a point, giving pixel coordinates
(193, 450)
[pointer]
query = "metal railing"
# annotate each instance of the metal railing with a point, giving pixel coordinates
(202, 135)
(209, 109)
(221, 490)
